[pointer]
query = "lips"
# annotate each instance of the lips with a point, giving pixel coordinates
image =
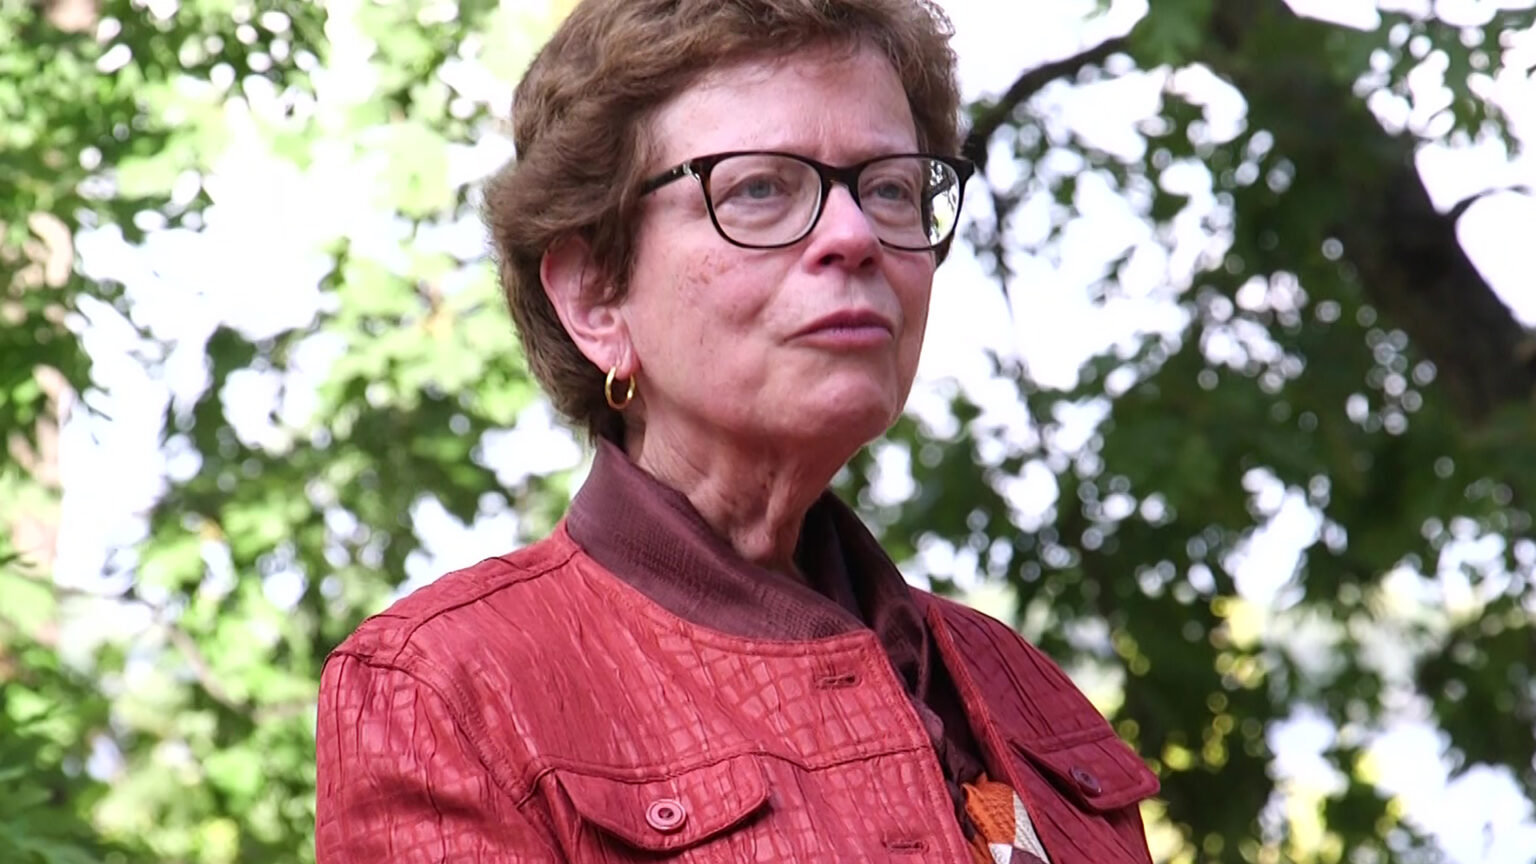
(849, 320)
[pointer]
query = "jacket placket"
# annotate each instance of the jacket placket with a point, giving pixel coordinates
(1059, 823)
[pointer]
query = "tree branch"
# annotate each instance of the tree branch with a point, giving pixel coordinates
(204, 673)
(998, 113)
(179, 638)
(1410, 261)
(1461, 207)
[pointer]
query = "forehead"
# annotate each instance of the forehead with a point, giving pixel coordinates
(836, 103)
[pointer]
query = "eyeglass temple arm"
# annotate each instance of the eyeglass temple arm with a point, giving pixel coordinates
(666, 177)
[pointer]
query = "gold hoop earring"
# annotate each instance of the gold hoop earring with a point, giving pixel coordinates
(629, 395)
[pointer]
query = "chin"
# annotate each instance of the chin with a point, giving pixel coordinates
(850, 423)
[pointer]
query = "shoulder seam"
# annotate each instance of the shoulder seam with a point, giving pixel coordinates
(518, 795)
(525, 576)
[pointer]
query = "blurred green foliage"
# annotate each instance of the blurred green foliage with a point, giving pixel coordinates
(190, 738)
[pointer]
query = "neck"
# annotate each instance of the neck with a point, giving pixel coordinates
(755, 496)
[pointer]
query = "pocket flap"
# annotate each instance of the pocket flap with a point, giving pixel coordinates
(1098, 770)
(674, 811)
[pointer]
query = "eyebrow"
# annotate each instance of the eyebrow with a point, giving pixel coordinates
(852, 156)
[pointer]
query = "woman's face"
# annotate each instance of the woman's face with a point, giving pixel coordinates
(817, 342)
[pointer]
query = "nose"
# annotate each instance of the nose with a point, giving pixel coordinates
(843, 236)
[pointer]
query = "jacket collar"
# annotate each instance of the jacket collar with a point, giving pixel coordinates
(649, 535)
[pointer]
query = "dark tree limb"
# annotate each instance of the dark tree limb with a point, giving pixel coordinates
(992, 116)
(1409, 260)
(1461, 207)
(1410, 263)
(997, 114)
(1414, 269)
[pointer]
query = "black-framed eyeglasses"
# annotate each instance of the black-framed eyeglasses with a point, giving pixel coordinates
(763, 199)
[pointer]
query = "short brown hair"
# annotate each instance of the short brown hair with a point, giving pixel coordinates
(579, 122)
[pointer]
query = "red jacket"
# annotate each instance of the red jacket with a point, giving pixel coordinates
(477, 721)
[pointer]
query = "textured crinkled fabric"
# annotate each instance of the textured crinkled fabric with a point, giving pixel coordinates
(539, 708)
(650, 536)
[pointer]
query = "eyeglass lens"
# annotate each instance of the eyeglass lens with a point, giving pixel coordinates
(765, 200)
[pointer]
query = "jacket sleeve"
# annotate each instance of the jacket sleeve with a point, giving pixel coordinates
(398, 783)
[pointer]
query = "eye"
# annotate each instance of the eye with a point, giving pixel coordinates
(759, 186)
(889, 185)
(761, 180)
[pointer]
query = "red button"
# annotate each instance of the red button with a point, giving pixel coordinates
(1085, 780)
(666, 815)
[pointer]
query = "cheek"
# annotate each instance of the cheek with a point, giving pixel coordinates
(693, 302)
(915, 293)
(720, 294)
(700, 273)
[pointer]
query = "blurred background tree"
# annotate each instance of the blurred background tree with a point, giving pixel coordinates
(335, 392)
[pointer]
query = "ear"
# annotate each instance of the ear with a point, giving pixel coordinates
(577, 291)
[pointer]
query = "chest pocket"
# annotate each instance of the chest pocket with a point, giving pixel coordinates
(664, 814)
(1097, 770)
(1099, 780)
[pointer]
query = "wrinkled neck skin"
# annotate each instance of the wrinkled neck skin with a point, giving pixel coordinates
(754, 494)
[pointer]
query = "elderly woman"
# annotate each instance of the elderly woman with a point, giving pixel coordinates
(718, 241)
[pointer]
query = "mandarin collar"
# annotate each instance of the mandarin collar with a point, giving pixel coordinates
(650, 535)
